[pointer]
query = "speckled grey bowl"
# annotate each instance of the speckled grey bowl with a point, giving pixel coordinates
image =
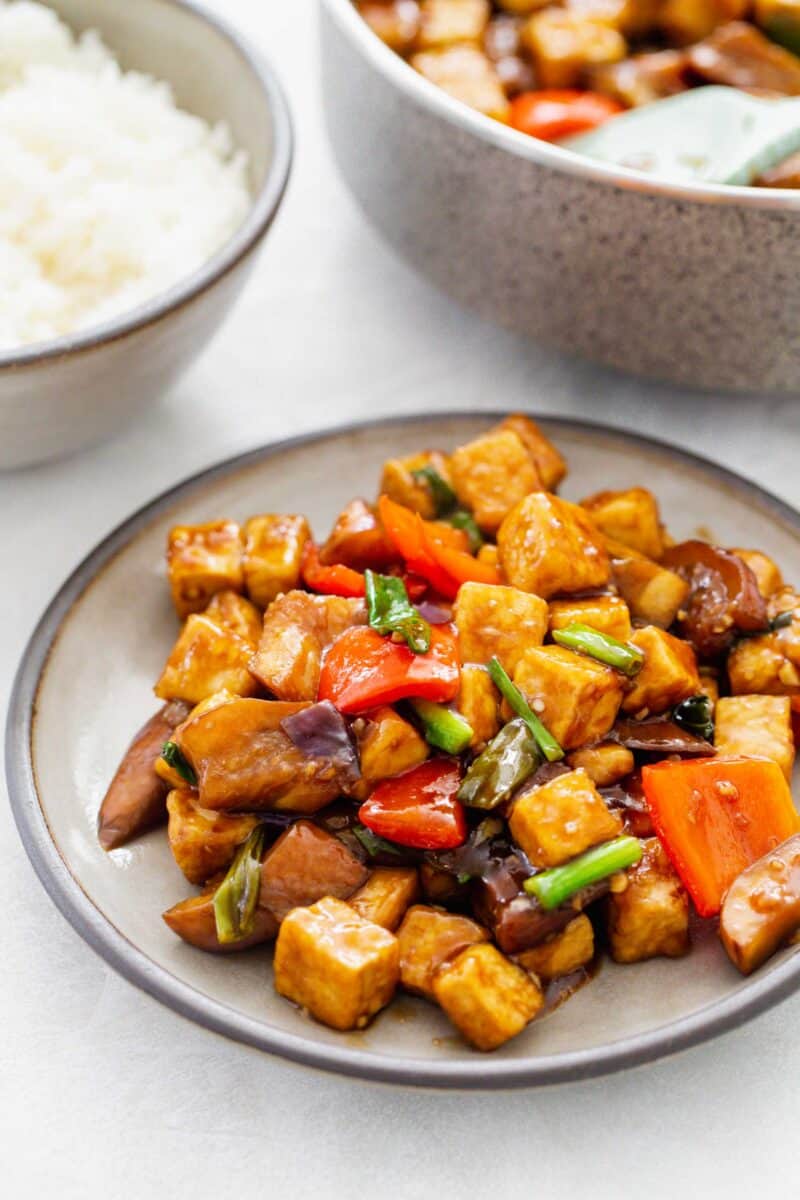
(699, 285)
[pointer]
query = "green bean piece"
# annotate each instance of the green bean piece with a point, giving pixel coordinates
(554, 886)
(236, 898)
(509, 759)
(391, 612)
(622, 656)
(544, 739)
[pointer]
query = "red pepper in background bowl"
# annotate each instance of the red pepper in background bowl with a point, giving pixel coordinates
(419, 809)
(363, 670)
(552, 114)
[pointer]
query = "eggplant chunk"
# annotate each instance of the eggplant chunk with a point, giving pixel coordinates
(193, 920)
(297, 629)
(306, 864)
(762, 907)
(136, 797)
(203, 843)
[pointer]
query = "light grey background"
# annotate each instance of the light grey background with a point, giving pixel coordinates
(103, 1093)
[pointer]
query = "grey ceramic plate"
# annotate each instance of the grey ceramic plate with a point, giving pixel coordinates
(85, 685)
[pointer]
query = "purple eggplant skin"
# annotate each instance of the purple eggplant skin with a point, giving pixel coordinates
(660, 735)
(136, 797)
(320, 732)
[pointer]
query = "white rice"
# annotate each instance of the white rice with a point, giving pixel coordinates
(108, 193)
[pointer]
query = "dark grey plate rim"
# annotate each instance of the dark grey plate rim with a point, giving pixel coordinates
(761, 991)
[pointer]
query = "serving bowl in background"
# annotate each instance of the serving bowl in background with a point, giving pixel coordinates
(60, 395)
(694, 284)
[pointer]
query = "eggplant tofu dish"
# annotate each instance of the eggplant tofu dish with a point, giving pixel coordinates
(474, 739)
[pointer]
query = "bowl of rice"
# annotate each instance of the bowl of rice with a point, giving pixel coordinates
(144, 152)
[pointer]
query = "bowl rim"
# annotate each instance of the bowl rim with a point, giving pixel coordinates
(759, 993)
(387, 62)
(263, 209)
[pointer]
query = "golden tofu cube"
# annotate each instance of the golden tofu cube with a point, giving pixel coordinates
(447, 21)
(386, 895)
(395, 22)
(273, 552)
(488, 998)
(576, 697)
(756, 725)
(479, 704)
(332, 962)
(466, 74)
(650, 917)
(766, 570)
(206, 659)
(563, 952)
(548, 545)
(387, 745)
(548, 461)
(203, 842)
(688, 21)
(491, 474)
(203, 560)
(669, 673)
(400, 484)
(607, 614)
(709, 685)
(232, 611)
(652, 593)
(633, 18)
(297, 629)
(522, 7)
(564, 45)
(495, 620)
(760, 665)
(428, 937)
(631, 517)
(605, 763)
(488, 554)
(560, 819)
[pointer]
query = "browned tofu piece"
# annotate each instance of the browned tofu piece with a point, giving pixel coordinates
(400, 484)
(642, 78)
(488, 554)
(630, 516)
(466, 74)
(564, 46)
(766, 570)
(560, 819)
(273, 552)
(203, 842)
(491, 474)
(297, 629)
(633, 18)
(605, 763)
(709, 685)
(769, 664)
(669, 673)
(429, 937)
(231, 611)
(576, 697)
(687, 21)
(305, 864)
(756, 725)
(205, 659)
(523, 7)
(488, 998)
(194, 921)
(651, 592)
(651, 916)
(396, 22)
(387, 745)
(244, 760)
(385, 896)
(495, 620)
(479, 704)
(203, 560)
(447, 21)
(548, 545)
(548, 461)
(332, 962)
(563, 952)
(358, 540)
(608, 614)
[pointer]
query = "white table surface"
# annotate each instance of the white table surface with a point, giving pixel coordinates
(104, 1093)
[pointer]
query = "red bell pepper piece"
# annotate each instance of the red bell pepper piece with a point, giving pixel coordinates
(363, 670)
(419, 808)
(555, 113)
(336, 580)
(716, 816)
(429, 552)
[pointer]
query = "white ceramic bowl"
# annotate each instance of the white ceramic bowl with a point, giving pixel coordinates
(60, 395)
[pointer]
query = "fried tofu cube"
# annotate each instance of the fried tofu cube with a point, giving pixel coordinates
(576, 697)
(386, 895)
(563, 952)
(387, 745)
(491, 474)
(496, 620)
(650, 917)
(205, 659)
(709, 685)
(560, 819)
(769, 664)
(400, 483)
(756, 725)
(305, 865)
(358, 540)
(273, 552)
(605, 763)
(633, 18)
(204, 842)
(608, 614)
(669, 673)
(232, 611)
(563, 45)
(652, 593)
(332, 962)
(428, 937)
(630, 516)
(203, 560)
(297, 629)
(488, 554)
(447, 21)
(488, 998)
(766, 570)
(466, 74)
(479, 704)
(396, 22)
(548, 461)
(548, 545)
(688, 21)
